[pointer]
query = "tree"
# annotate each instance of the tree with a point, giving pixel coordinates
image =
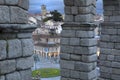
(46, 19)
(56, 16)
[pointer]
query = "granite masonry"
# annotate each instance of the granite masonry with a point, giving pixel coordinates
(16, 46)
(110, 41)
(78, 45)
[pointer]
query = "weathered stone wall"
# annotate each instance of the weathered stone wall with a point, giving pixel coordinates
(110, 41)
(78, 45)
(16, 47)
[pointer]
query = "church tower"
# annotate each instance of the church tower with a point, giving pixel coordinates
(43, 10)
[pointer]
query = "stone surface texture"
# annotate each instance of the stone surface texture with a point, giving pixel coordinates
(3, 52)
(16, 46)
(109, 43)
(78, 45)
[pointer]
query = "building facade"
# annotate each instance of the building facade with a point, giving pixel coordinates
(47, 42)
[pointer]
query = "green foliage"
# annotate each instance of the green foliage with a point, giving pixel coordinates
(46, 19)
(56, 16)
(46, 72)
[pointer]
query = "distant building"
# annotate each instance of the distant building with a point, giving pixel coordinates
(47, 36)
(43, 10)
(47, 40)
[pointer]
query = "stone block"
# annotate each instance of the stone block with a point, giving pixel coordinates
(84, 18)
(103, 57)
(74, 10)
(116, 58)
(84, 67)
(7, 66)
(67, 10)
(88, 42)
(110, 57)
(3, 46)
(84, 2)
(107, 51)
(110, 7)
(65, 72)
(67, 49)
(13, 76)
(85, 50)
(118, 31)
(27, 45)
(105, 37)
(107, 45)
(11, 2)
(109, 31)
(65, 56)
(2, 1)
(67, 64)
(69, 2)
(89, 58)
(117, 45)
(116, 52)
(68, 33)
(4, 14)
(87, 10)
(14, 48)
(115, 38)
(26, 74)
(88, 75)
(18, 15)
(105, 69)
(74, 74)
(85, 34)
(102, 79)
(105, 75)
(107, 18)
(75, 57)
(24, 63)
(63, 78)
(21, 3)
(105, 63)
(24, 35)
(115, 64)
(6, 36)
(74, 41)
(115, 18)
(72, 79)
(64, 41)
(2, 77)
(24, 4)
(115, 77)
(69, 18)
(115, 71)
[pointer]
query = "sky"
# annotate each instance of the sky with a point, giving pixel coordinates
(35, 5)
